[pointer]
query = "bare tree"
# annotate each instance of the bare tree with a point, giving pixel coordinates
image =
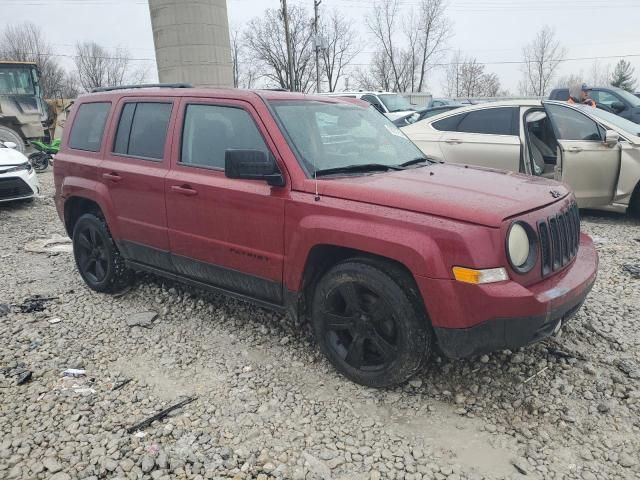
(236, 47)
(382, 23)
(26, 43)
(265, 40)
(541, 59)
(433, 31)
(465, 77)
(378, 76)
(98, 67)
(425, 34)
(245, 72)
(341, 47)
(599, 74)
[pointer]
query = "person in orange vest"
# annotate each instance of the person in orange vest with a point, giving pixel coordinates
(580, 95)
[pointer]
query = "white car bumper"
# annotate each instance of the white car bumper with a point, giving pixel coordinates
(18, 185)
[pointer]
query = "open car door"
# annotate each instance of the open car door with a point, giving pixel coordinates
(586, 163)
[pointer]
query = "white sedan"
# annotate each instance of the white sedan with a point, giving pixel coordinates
(18, 180)
(593, 151)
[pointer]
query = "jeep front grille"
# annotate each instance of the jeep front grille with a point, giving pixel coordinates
(559, 239)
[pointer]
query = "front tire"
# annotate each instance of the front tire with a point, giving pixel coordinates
(98, 260)
(369, 324)
(9, 135)
(39, 161)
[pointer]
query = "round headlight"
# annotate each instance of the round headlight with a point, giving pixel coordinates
(518, 245)
(522, 247)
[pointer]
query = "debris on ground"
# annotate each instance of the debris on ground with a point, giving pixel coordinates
(24, 377)
(54, 244)
(121, 384)
(160, 415)
(142, 319)
(35, 303)
(74, 372)
(633, 269)
(629, 367)
(55, 320)
(4, 309)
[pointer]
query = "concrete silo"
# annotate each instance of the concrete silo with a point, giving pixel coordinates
(191, 39)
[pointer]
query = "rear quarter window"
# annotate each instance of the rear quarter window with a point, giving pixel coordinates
(88, 126)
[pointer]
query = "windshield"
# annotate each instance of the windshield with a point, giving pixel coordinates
(629, 97)
(613, 119)
(395, 102)
(16, 80)
(334, 135)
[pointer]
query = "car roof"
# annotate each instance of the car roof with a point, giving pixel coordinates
(231, 93)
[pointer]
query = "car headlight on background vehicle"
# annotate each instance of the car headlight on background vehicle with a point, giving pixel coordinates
(521, 247)
(18, 168)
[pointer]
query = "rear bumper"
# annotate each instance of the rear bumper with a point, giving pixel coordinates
(471, 319)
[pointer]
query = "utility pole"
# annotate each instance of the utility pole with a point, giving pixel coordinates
(316, 4)
(285, 17)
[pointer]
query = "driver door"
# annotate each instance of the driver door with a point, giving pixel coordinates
(586, 163)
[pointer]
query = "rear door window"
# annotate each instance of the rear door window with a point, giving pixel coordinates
(491, 121)
(449, 124)
(88, 126)
(210, 130)
(142, 130)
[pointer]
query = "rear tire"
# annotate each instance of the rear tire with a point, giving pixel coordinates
(98, 259)
(634, 205)
(39, 161)
(9, 135)
(368, 323)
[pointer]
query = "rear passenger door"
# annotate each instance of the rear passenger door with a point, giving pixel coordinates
(226, 232)
(133, 170)
(488, 137)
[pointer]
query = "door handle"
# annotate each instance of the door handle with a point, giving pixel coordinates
(184, 190)
(574, 149)
(113, 176)
(453, 141)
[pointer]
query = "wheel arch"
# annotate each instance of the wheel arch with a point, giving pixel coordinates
(322, 257)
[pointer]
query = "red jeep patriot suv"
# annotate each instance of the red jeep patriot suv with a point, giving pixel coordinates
(322, 208)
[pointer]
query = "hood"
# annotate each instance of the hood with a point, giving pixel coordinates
(396, 115)
(9, 156)
(470, 194)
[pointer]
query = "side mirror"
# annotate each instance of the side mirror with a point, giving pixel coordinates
(10, 145)
(252, 165)
(611, 138)
(617, 107)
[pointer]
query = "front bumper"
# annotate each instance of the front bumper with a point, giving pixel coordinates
(18, 186)
(473, 319)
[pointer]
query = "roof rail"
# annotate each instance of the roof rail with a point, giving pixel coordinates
(146, 85)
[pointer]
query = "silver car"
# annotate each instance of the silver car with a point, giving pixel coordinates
(593, 151)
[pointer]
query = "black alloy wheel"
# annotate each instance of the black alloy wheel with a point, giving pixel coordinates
(371, 324)
(92, 254)
(98, 259)
(360, 327)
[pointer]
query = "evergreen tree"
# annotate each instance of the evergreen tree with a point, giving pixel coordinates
(623, 76)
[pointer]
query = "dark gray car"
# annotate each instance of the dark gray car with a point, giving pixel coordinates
(612, 99)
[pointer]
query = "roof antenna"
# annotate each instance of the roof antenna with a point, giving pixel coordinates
(315, 179)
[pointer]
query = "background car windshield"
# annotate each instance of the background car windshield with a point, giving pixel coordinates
(395, 103)
(331, 135)
(615, 120)
(16, 81)
(629, 97)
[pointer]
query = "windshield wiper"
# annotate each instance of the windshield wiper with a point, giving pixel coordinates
(366, 167)
(416, 161)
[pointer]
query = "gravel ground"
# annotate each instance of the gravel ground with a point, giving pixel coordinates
(269, 406)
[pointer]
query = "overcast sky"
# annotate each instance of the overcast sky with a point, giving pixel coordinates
(490, 30)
